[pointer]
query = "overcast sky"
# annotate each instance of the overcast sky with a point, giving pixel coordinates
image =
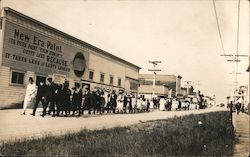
(181, 33)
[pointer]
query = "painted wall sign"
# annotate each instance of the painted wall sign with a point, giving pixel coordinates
(29, 50)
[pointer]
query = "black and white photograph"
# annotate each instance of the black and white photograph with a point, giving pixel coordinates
(124, 78)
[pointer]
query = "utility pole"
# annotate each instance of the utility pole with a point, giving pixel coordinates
(234, 59)
(0, 7)
(155, 63)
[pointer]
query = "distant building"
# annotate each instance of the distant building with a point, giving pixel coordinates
(183, 92)
(29, 48)
(165, 85)
(186, 92)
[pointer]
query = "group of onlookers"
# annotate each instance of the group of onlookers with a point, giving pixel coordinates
(238, 107)
(59, 99)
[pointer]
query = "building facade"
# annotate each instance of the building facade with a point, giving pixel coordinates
(165, 85)
(30, 48)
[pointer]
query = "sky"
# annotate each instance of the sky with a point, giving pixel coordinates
(181, 33)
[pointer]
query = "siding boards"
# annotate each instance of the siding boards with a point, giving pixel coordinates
(10, 94)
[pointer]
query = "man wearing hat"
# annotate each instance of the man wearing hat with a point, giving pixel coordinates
(87, 101)
(40, 96)
(50, 97)
(77, 99)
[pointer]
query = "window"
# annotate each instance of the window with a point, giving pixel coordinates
(111, 79)
(119, 82)
(91, 75)
(17, 77)
(102, 78)
(40, 79)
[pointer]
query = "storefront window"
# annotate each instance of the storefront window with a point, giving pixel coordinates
(17, 77)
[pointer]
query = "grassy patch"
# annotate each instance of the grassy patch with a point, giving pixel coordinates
(173, 137)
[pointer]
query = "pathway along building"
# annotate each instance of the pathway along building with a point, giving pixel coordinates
(30, 48)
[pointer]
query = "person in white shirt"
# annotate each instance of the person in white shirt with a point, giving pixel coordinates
(29, 95)
(119, 107)
(133, 103)
(162, 104)
(139, 104)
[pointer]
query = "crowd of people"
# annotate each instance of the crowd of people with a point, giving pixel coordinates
(60, 100)
(238, 107)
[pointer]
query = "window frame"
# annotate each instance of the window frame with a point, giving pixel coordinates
(119, 80)
(102, 81)
(17, 84)
(111, 76)
(92, 76)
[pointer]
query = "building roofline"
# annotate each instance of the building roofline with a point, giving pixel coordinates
(8, 9)
(163, 75)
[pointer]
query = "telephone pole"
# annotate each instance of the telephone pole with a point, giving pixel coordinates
(155, 63)
(234, 59)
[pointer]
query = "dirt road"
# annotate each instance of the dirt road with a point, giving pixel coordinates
(16, 126)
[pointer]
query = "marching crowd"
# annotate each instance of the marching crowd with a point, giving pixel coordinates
(59, 99)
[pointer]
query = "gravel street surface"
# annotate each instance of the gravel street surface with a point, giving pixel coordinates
(15, 126)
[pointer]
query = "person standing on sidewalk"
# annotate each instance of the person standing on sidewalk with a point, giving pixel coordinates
(40, 96)
(238, 107)
(29, 95)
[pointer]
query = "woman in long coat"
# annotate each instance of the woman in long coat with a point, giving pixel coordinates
(29, 95)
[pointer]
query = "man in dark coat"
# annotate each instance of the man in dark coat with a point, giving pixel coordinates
(50, 98)
(113, 102)
(102, 102)
(238, 107)
(87, 101)
(129, 101)
(94, 101)
(53, 99)
(77, 99)
(125, 102)
(59, 105)
(40, 96)
(66, 93)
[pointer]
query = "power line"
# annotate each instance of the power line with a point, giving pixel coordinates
(235, 58)
(238, 34)
(219, 31)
